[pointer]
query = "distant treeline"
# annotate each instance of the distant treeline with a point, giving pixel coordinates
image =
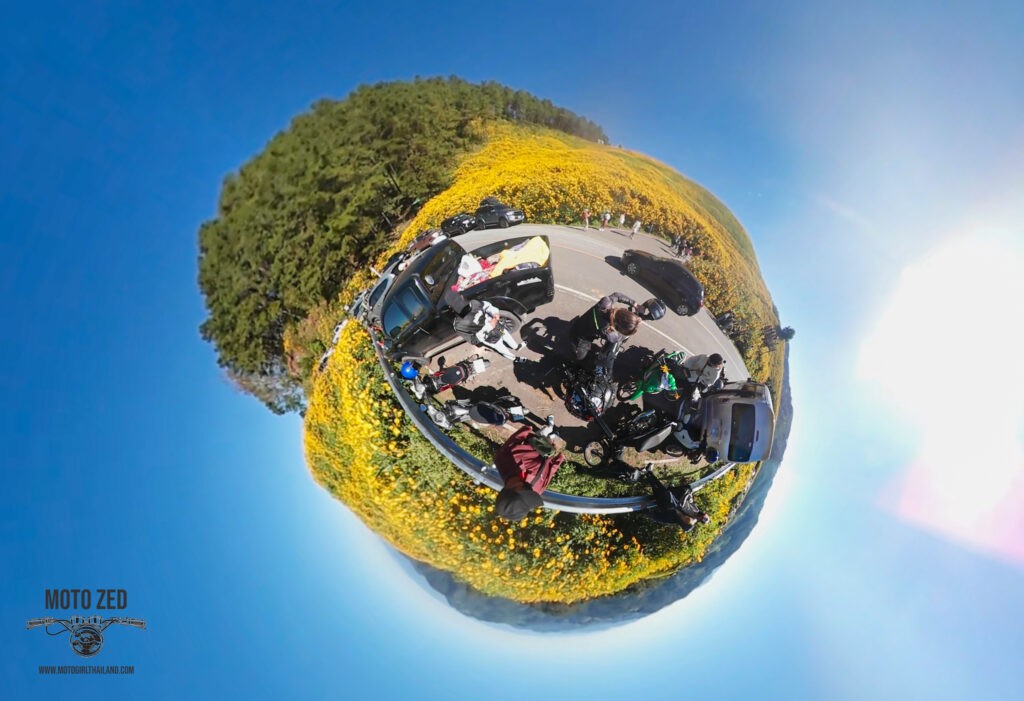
(320, 202)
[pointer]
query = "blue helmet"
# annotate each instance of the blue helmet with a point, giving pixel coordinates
(409, 370)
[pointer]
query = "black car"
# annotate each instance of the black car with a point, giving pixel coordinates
(415, 312)
(459, 224)
(667, 278)
(493, 213)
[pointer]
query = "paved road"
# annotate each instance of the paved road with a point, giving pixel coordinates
(585, 268)
(584, 265)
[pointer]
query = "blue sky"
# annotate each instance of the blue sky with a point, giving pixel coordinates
(855, 142)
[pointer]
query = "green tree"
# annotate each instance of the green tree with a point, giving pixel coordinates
(322, 199)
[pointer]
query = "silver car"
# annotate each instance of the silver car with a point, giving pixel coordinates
(739, 421)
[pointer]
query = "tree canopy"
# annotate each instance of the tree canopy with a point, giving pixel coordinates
(321, 200)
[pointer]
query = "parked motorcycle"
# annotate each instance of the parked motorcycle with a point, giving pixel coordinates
(590, 393)
(659, 375)
(495, 413)
(647, 431)
(643, 432)
(446, 377)
(665, 373)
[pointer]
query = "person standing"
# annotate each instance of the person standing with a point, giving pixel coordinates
(636, 228)
(527, 462)
(586, 218)
(605, 218)
(703, 371)
(622, 220)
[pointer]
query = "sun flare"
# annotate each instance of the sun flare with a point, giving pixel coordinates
(941, 353)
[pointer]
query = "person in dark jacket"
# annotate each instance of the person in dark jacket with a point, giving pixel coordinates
(527, 462)
(603, 320)
(674, 504)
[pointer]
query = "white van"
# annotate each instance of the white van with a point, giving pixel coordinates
(739, 421)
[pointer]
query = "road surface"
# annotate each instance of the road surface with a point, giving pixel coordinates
(584, 264)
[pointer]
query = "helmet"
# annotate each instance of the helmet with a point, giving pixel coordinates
(711, 455)
(576, 405)
(655, 308)
(409, 370)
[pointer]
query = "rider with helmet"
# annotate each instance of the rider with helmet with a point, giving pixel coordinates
(605, 321)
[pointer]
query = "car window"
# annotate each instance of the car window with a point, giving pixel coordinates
(405, 306)
(378, 292)
(444, 263)
(741, 434)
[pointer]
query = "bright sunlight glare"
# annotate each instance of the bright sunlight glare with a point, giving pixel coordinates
(943, 353)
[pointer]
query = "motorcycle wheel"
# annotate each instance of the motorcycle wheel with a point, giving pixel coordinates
(626, 390)
(510, 321)
(594, 454)
(673, 448)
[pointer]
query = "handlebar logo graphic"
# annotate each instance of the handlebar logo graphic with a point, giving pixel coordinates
(85, 632)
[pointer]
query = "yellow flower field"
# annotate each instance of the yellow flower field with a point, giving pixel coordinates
(360, 446)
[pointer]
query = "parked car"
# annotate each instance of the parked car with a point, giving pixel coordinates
(413, 316)
(738, 421)
(370, 301)
(493, 213)
(459, 224)
(427, 239)
(667, 278)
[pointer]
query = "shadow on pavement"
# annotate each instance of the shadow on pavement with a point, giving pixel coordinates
(631, 362)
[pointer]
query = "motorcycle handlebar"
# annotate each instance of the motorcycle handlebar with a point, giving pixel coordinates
(36, 622)
(134, 622)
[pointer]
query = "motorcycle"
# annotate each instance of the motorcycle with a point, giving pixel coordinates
(665, 373)
(495, 413)
(659, 375)
(643, 432)
(446, 377)
(590, 393)
(646, 431)
(671, 419)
